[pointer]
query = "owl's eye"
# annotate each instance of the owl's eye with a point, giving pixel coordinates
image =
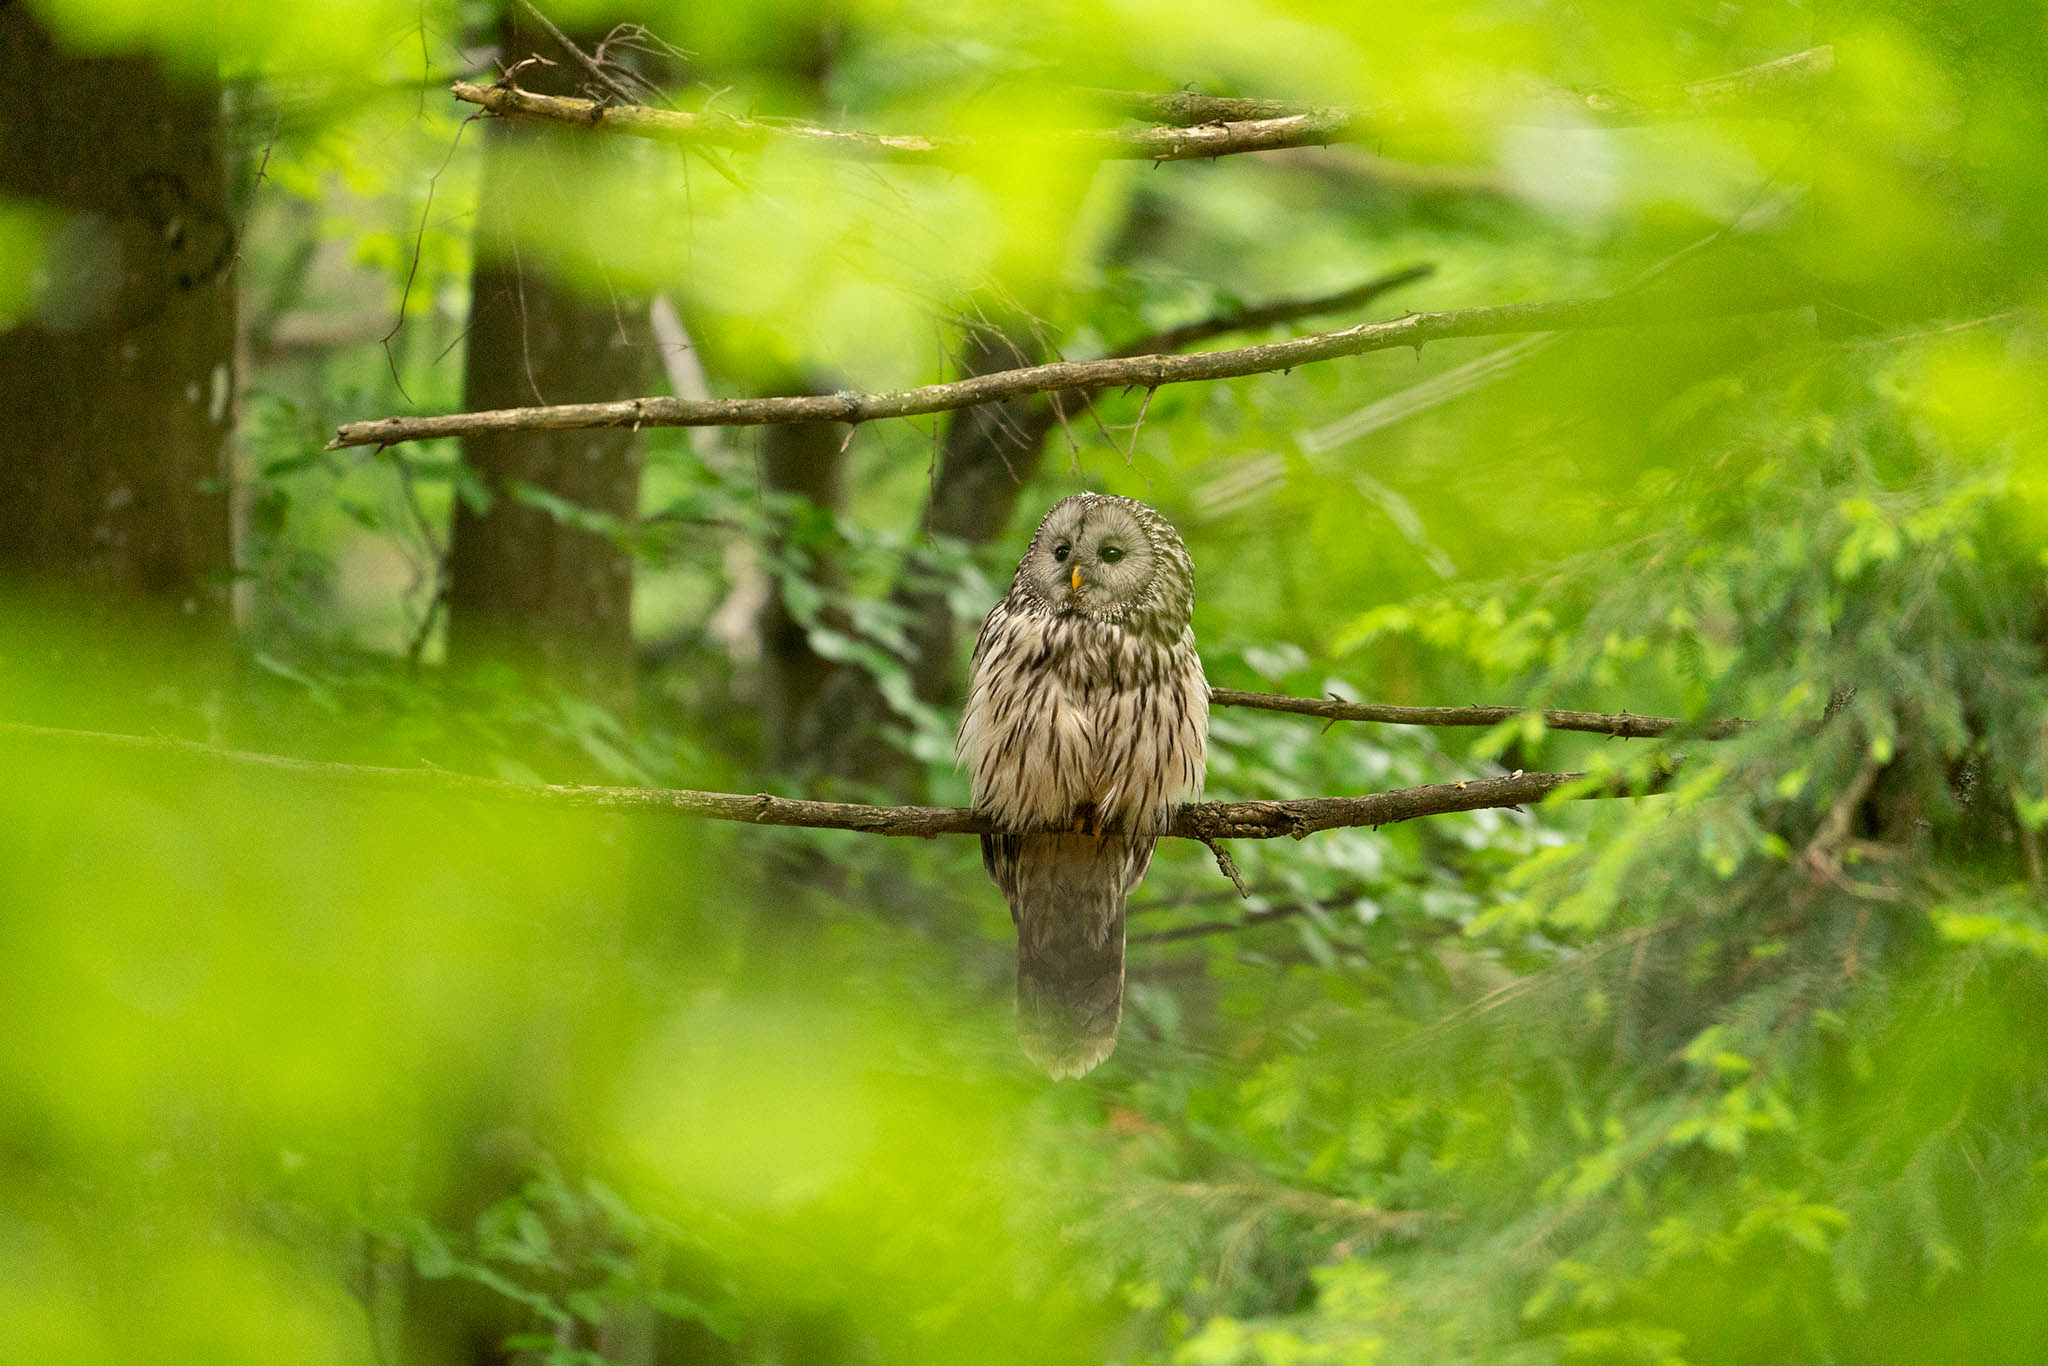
(1060, 552)
(1111, 553)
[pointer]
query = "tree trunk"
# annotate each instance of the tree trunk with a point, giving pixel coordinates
(805, 461)
(118, 379)
(525, 586)
(989, 454)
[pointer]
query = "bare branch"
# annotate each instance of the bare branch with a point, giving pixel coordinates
(1204, 821)
(714, 130)
(1303, 128)
(1619, 725)
(1752, 85)
(1737, 90)
(1139, 372)
(1198, 126)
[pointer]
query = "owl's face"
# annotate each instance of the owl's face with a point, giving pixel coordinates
(1109, 559)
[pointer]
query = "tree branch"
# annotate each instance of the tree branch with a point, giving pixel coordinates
(1273, 312)
(1302, 128)
(702, 130)
(1208, 927)
(1203, 821)
(1140, 372)
(1431, 929)
(1767, 81)
(1619, 725)
(1752, 86)
(1197, 126)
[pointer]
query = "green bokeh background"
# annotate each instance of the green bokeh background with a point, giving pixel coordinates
(294, 1068)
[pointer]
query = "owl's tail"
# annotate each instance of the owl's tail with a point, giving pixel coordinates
(1070, 997)
(1067, 893)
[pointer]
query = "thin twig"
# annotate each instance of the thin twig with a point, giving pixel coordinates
(437, 559)
(413, 270)
(249, 209)
(1227, 866)
(578, 55)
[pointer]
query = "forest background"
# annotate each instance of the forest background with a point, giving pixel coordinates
(339, 1030)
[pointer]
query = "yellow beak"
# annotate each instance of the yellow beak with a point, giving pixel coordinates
(1077, 578)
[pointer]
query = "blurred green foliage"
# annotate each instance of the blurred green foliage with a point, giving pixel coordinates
(319, 1069)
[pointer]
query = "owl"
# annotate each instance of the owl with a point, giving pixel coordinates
(1086, 723)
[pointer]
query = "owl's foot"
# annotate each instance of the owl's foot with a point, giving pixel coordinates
(1086, 821)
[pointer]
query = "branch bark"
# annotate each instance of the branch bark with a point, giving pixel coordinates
(1203, 821)
(1140, 372)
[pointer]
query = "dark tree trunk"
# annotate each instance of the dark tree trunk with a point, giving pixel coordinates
(806, 462)
(525, 586)
(117, 384)
(989, 453)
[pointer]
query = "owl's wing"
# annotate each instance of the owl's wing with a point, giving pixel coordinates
(981, 636)
(968, 746)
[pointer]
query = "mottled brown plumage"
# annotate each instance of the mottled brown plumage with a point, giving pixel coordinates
(1085, 727)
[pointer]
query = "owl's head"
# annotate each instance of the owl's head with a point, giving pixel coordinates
(1109, 559)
